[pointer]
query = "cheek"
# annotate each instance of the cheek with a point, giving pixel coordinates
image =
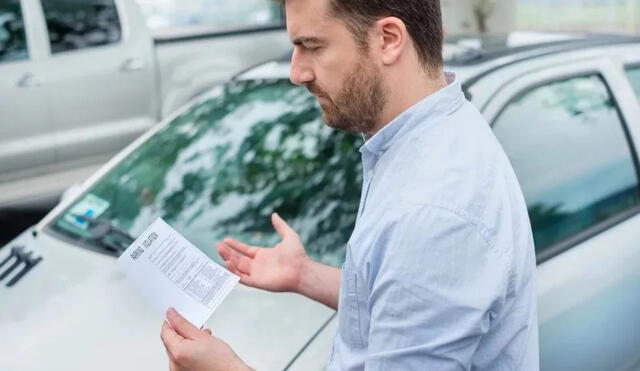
(331, 69)
(330, 81)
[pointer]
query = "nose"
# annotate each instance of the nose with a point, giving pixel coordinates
(301, 71)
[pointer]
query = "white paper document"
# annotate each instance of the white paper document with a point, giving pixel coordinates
(171, 272)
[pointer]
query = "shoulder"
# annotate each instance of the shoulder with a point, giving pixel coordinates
(452, 161)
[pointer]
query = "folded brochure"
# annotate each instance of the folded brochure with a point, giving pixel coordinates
(171, 272)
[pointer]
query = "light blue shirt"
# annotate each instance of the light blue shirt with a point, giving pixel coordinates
(440, 268)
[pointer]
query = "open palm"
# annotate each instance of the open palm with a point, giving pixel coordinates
(275, 269)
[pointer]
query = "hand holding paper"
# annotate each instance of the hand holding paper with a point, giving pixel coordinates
(190, 348)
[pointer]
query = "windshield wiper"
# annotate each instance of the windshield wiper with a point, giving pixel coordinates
(106, 234)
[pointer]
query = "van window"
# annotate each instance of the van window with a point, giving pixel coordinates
(80, 24)
(13, 39)
(174, 17)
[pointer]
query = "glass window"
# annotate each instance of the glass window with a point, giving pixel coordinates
(13, 39)
(221, 168)
(568, 146)
(78, 24)
(634, 77)
(211, 15)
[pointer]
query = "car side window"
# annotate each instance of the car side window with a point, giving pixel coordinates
(13, 38)
(571, 153)
(74, 24)
(634, 77)
(211, 16)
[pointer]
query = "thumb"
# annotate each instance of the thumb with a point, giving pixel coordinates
(183, 327)
(281, 226)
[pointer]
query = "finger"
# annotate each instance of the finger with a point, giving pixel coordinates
(232, 266)
(281, 226)
(225, 252)
(229, 254)
(208, 331)
(245, 279)
(241, 247)
(170, 338)
(172, 365)
(183, 327)
(237, 263)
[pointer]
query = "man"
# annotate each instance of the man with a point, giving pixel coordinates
(439, 272)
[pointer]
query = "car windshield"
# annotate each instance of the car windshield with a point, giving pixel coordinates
(222, 167)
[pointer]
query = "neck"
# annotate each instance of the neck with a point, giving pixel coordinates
(406, 91)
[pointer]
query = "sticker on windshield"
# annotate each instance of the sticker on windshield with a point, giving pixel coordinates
(91, 206)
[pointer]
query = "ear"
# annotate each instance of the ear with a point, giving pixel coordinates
(393, 36)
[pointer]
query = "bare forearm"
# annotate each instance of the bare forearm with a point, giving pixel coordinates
(321, 283)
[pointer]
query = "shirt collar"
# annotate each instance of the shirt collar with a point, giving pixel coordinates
(444, 101)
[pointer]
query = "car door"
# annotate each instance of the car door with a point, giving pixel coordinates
(25, 143)
(570, 144)
(100, 76)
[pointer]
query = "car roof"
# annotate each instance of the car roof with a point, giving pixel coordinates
(470, 50)
(475, 56)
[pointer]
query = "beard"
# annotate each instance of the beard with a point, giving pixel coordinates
(358, 107)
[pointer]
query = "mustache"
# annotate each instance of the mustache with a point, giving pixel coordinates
(316, 90)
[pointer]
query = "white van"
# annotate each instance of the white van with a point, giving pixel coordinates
(81, 79)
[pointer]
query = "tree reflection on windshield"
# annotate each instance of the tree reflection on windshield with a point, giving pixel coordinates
(224, 166)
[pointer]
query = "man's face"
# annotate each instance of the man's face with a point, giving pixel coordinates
(329, 62)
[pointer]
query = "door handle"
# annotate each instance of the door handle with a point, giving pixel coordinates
(132, 64)
(28, 80)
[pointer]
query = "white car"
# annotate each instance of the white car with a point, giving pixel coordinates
(565, 108)
(79, 80)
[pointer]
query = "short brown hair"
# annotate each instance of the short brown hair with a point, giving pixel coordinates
(423, 19)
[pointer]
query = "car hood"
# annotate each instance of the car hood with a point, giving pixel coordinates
(76, 310)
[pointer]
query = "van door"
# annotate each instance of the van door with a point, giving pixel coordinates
(25, 142)
(201, 44)
(100, 73)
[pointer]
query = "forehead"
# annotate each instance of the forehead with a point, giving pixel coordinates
(309, 18)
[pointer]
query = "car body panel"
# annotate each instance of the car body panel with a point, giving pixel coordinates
(75, 319)
(588, 300)
(85, 85)
(24, 107)
(17, 141)
(187, 69)
(317, 353)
